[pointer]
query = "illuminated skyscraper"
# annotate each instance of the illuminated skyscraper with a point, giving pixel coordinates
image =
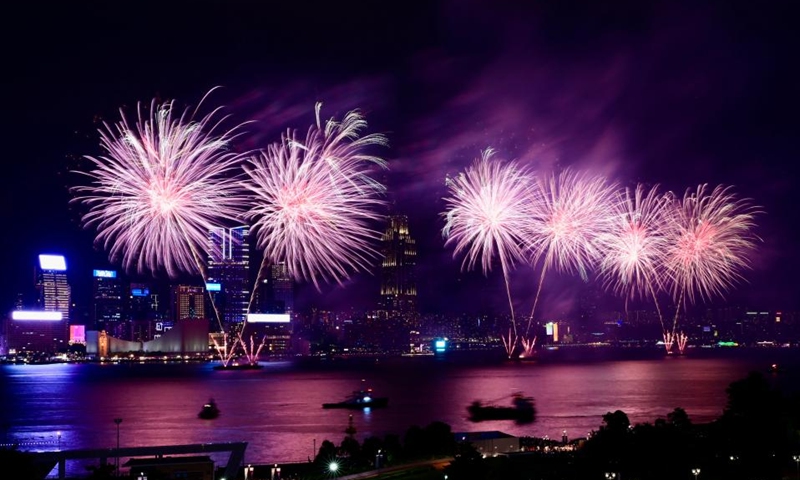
(108, 298)
(282, 289)
(188, 302)
(398, 276)
(55, 294)
(229, 272)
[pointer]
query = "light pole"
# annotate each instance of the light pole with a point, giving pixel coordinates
(796, 459)
(695, 472)
(116, 463)
(58, 434)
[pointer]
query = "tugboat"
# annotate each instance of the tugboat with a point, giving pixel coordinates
(209, 411)
(359, 400)
(522, 410)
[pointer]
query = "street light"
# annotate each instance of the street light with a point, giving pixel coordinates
(610, 475)
(116, 463)
(333, 467)
(796, 459)
(695, 472)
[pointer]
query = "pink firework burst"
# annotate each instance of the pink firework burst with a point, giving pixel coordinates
(710, 238)
(571, 212)
(486, 215)
(634, 249)
(159, 188)
(487, 212)
(314, 200)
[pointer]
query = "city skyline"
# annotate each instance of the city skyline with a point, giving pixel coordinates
(659, 94)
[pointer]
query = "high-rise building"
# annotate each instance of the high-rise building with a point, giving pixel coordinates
(229, 273)
(108, 299)
(398, 275)
(188, 302)
(55, 294)
(282, 289)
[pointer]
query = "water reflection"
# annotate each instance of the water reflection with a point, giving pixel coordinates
(277, 409)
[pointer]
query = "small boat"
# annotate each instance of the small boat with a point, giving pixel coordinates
(522, 410)
(360, 399)
(239, 366)
(209, 411)
(775, 368)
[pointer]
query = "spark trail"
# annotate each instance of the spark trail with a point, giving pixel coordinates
(160, 186)
(710, 237)
(569, 213)
(314, 199)
(485, 218)
(634, 249)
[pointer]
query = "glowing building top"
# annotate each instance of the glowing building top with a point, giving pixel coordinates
(398, 270)
(229, 272)
(55, 293)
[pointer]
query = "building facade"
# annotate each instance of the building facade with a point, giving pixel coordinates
(229, 273)
(108, 298)
(55, 293)
(188, 302)
(398, 269)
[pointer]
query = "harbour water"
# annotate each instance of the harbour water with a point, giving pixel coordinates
(278, 410)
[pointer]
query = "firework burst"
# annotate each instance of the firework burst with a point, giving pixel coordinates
(569, 213)
(314, 200)
(159, 188)
(632, 263)
(710, 238)
(634, 250)
(486, 214)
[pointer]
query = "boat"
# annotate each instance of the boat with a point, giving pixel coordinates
(522, 410)
(360, 399)
(209, 411)
(239, 366)
(775, 368)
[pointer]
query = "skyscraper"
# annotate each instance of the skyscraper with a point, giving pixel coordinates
(282, 289)
(188, 302)
(229, 272)
(398, 276)
(55, 293)
(108, 296)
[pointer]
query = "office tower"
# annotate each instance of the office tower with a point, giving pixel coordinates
(282, 289)
(143, 314)
(108, 299)
(188, 302)
(398, 277)
(55, 294)
(229, 273)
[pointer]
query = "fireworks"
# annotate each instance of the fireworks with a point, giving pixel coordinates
(160, 187)
(571, 212)
(634, 249)
(486, 216)
(314, 200)
(709, 240)
(487, 212)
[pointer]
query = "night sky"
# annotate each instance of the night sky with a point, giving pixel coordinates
(657, 92)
